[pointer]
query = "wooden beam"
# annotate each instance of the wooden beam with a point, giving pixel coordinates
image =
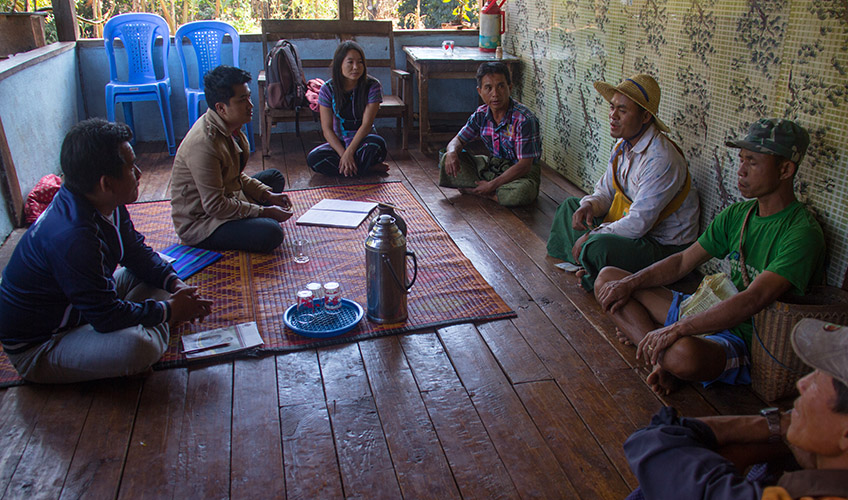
(65, 14)
(9, 181)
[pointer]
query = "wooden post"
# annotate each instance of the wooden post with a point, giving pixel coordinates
(9, 182)
(346, 10)
(65, 14)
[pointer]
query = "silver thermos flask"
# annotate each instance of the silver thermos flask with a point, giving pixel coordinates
(385, 272)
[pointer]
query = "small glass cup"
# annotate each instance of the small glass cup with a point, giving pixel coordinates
(448, 45)
(305, 309)
(332, 297)
(317, 296)
(301, 250)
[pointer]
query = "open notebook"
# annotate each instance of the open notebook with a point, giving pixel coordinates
(337, 213)
(221, 341)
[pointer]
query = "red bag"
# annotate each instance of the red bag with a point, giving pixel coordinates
(40, 197)
(312, 88)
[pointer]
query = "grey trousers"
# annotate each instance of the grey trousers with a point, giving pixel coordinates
(83, 353)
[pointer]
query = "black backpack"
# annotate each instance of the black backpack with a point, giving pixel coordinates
(286, 81)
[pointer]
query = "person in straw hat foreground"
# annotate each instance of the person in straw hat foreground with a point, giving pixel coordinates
(773, 246)
(645, 206)
(676, 457)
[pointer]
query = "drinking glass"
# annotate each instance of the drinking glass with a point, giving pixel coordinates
(305, 309)
(317, 297)
(301, 250)
(448, 45)
(332, 297)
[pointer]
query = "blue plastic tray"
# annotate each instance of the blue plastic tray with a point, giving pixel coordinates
(326, 325)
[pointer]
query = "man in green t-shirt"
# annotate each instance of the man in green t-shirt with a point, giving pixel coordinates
(782, 251)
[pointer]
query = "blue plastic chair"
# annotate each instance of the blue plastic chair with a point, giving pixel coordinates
(138, 32)
(206, 37)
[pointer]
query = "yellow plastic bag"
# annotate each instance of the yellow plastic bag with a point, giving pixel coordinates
(712, 290)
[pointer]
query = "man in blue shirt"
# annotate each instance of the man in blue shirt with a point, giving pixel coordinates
(66, 315)
(510, 131)
(705, 457)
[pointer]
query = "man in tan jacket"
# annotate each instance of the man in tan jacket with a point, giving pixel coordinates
(214, 204)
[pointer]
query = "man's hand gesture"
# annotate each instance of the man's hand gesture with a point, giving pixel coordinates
(280, 200)
(583, 218)
(187, 305)
(452, 163)
(613, 295)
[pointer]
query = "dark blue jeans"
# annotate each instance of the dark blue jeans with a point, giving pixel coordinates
(370, 152)
(261, 234)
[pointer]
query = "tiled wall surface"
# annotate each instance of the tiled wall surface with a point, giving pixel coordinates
(721, 65)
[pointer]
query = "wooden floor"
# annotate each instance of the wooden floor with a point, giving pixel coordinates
(536, 406)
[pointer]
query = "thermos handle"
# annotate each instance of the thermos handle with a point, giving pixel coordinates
(415, 268)
(388, 264)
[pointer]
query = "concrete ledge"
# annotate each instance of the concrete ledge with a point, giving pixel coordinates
(24, 60)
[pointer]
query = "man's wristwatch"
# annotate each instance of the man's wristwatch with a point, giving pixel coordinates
(772, 416)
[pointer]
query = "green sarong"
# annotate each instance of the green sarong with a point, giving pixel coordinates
(601, 250)
(473, 168)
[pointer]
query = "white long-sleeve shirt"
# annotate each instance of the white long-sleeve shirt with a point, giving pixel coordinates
(651, 173)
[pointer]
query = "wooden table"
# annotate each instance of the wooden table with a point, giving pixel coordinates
(433, 62)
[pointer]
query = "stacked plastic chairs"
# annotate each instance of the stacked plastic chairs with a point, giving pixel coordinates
(207, 39)
(138, 33)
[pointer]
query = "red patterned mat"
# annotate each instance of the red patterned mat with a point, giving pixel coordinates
(257, 287)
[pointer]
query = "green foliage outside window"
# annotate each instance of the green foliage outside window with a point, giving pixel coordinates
(244, 15)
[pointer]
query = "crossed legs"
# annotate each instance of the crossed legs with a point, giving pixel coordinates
(688, 358)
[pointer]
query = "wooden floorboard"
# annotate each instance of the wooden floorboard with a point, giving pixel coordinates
(419, 461)
(478, 470)
(98, 461)
(257, 453)
(534, 406)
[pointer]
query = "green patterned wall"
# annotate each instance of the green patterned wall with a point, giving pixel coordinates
(721, 65)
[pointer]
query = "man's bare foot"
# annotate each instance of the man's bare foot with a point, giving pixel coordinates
(493, 196)
(662, 382)
(580, 273)
(380, 168)
(624, 339)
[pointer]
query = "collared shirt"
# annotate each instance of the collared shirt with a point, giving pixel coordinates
(516, 137)
(208, 185)
(651, 173)
(675, 457)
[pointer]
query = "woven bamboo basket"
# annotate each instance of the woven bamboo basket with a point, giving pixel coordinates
(774, 366)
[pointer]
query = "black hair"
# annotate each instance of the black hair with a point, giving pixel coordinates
(92, 149)
(841, 403)
(363, 86)
(493, 68)
(218, 84)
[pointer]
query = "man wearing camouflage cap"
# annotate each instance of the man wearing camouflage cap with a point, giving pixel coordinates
(773, 245)
(645, 206)
(676, 457)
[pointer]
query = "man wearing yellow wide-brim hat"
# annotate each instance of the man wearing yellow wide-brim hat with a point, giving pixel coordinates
(645, 207)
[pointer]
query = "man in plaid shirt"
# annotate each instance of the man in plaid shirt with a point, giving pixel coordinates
(510, 131)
